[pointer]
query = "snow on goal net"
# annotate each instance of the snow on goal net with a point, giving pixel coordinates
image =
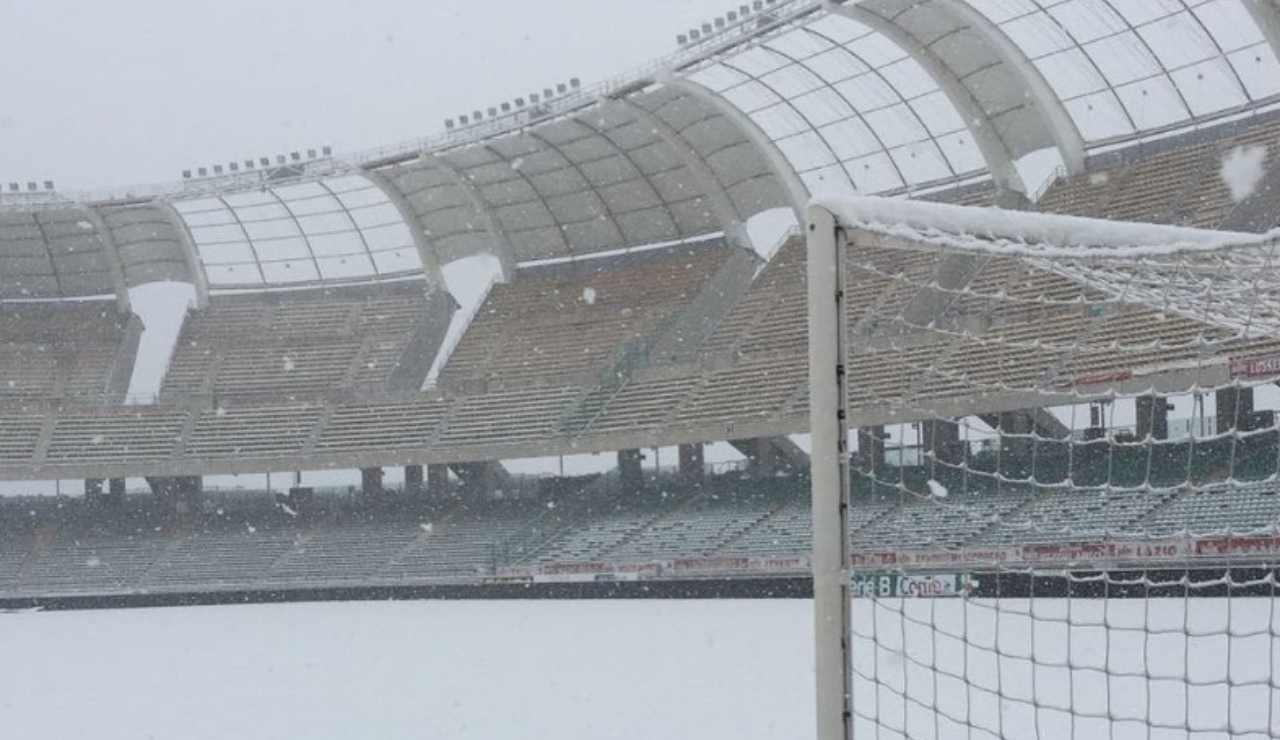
(1060, 471)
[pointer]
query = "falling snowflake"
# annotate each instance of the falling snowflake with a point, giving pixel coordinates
(517, 163)
(97, 439)
(936, 489)
(85, 225)
(220, 411)
(589, 296)
(288, 365)
(426, 527)
(1242, 170)
(93, 562)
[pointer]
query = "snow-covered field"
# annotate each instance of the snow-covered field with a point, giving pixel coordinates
(637, 669)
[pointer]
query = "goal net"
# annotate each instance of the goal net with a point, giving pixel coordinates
(1060, 474)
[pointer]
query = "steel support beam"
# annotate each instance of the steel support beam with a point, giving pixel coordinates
(199, 278)
(108, 241)
(1056, 117)
(995, 153)
(718, 199)
(426, 249)
(1266, 13)
(797, 192)
(502, 247)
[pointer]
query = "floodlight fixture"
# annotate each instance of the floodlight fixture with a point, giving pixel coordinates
(533, 98)
(186, 174)
(506, 107)
(233, 166)
(311, 154)
(14, 187)
(464, 119)
(732, 15)
(477, 116)
(202, 171)
(248, 164)
(217, 169)
(548, 93)
(706, 29)
(744, 10)
(682, 39)
(295, 156)
(48, 184)
(326, 150)
(264, 161)
(695, 34)
(758, 4)
(575, 83)
(449, 124)
(280, 159)
(31, 186)
(519, 102)
(493, 112)
(720, 22)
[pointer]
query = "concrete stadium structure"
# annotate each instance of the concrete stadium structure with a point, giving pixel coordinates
(634, 310)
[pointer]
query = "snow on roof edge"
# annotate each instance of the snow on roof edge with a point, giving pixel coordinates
(1072, 235)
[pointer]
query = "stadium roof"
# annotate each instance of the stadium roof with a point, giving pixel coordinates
(792, 98)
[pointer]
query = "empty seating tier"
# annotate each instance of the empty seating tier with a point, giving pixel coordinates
(556, 322)
(78, 352)
(300, 344)
(1181, 184)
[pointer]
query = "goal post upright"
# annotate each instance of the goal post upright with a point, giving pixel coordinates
(829, 431)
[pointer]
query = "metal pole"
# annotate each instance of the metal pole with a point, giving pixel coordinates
(829, 428)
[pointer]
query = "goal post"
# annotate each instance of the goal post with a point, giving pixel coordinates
(1045, 475)
(828, 422)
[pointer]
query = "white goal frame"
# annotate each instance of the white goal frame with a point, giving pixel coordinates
(829, 430)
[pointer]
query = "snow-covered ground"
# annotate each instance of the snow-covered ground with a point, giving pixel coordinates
(384, 671)
(703, 670)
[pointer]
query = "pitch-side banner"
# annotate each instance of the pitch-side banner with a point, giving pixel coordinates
(898, 585)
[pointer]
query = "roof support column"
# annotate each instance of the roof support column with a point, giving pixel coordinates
(797, 191)
(717, 197)
(502, 248)
(198, 276)
(997, 156)
(1266, 13)
(1063, 127)
(426, 250)
(108, 241)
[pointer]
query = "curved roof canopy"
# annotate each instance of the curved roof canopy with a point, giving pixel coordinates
(872, 96)
(330, 229)
(655, 166)
(1125, 67)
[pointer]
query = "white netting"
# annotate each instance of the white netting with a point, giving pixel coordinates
(1066, 434)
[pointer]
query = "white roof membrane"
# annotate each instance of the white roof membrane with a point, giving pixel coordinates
(331, 229)
(1123, 67)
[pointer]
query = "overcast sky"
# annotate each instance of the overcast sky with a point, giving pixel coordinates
(134, 91)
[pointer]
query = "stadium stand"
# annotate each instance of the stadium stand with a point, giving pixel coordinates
(82, 352)
(633, 346)
(309, 344)
(572, 321)
(54, 546)
(1175, 181)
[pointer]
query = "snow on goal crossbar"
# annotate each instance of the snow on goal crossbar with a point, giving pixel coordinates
(1103, 394)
